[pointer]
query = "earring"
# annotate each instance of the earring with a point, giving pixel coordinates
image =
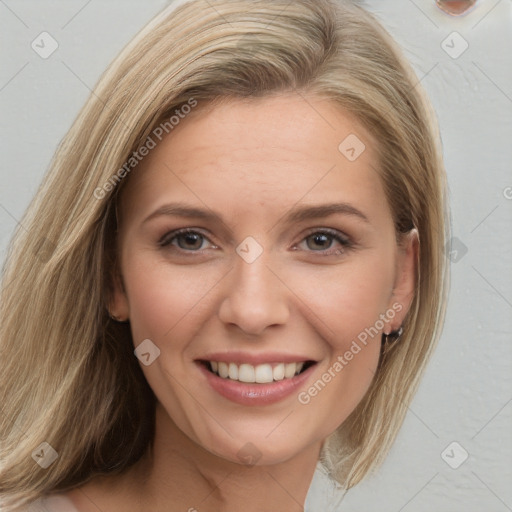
(392, 337)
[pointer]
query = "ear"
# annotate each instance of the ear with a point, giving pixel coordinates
(118, 302)
(405, 277)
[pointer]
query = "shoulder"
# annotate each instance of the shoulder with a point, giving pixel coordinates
(51, 503)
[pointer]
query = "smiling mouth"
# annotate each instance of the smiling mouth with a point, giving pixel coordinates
(259, 374)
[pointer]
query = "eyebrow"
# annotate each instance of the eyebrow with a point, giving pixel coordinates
(297, 214)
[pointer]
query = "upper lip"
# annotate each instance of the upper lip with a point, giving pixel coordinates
(255, 359)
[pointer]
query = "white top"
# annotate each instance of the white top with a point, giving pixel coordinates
(51, 503)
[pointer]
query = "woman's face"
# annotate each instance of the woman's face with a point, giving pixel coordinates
(291, 265)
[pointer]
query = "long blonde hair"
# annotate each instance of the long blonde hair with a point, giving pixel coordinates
(69, 376)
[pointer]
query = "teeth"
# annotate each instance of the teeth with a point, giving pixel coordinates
(289, 370)
(233, 371)
(223, 370)
(246, 373)
(278, 372)
(264, 373)
(261, 374)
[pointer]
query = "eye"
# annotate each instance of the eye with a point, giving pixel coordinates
(187, 240)
(322, 240)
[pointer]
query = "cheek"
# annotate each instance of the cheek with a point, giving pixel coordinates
(164, 300)
(347, 301)
(349, 307)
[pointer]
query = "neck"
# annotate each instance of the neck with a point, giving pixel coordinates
(179, 475)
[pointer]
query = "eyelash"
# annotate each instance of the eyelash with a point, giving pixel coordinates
(345, 242)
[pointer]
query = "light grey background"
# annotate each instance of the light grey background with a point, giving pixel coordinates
(466, 393)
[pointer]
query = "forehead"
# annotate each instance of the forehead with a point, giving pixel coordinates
(252, 153)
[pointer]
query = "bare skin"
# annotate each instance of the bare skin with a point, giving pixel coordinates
(307, 294)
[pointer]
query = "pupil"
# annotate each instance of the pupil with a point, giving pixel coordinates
(190, 238)
(320, 239)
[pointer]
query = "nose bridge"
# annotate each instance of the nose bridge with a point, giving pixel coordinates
(255, 297)
(254, 280)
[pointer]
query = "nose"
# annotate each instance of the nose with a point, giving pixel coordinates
(255, 297)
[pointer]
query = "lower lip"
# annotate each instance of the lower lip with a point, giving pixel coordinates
(255, 394)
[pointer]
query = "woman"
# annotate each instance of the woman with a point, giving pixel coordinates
(233, 271)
